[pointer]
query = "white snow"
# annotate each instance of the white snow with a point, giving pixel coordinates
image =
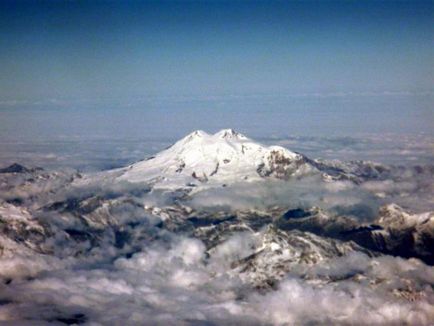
(394, 216)
(201, 158)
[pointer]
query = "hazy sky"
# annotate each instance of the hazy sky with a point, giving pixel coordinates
(89, 49)
(112, 82)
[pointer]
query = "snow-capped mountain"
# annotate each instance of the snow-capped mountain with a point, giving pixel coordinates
(277, 252)
(222, 158)
(213, 217)
(201, 161)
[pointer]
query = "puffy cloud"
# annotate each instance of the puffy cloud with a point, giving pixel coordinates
(342, 197)
(165, 284)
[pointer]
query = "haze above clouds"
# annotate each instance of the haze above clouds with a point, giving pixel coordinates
(93, 85)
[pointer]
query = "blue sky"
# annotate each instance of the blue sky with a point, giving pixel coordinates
(126, 49)
(78, 78)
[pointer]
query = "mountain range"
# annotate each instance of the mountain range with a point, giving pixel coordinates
(236, 208)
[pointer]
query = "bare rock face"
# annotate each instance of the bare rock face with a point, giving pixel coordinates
(280, 165)
(406, 234)
(395, 231)
(19, 227)
(278, 251)
(15, 168)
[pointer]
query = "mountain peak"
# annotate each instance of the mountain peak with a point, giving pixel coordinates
(15, 168)
(225, 157)
(197, 134)
(229, 134)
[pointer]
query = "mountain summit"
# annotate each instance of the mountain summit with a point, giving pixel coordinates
(230, 134)
(224, 157)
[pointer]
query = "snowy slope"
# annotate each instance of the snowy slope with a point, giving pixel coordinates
(223, 158)
(395, 217)
(20, 231)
